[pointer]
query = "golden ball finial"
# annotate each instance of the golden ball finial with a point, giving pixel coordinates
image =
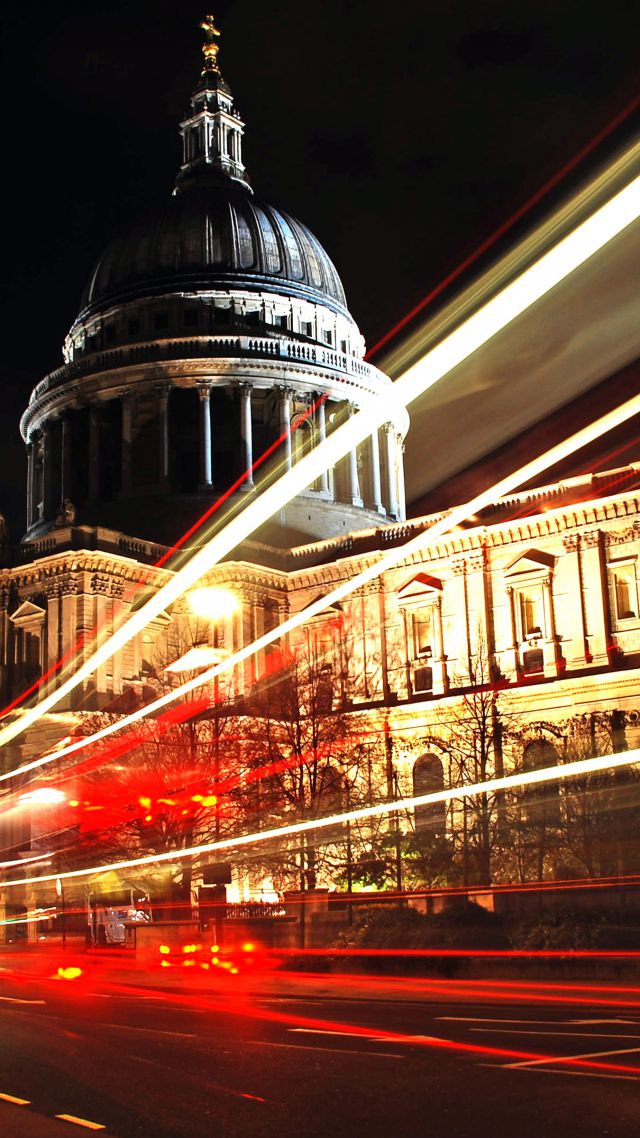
(210, 48)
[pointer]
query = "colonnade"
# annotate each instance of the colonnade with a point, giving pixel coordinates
(369, 476)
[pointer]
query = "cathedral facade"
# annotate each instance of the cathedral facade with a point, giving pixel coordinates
(212, 334)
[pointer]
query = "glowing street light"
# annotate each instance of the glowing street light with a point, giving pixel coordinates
(43, 796)
(213, 603)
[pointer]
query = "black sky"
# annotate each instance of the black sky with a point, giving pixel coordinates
(401, 133)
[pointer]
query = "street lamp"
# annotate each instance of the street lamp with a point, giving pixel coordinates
(212, 602)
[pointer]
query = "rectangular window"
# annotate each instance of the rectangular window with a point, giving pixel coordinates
(161, 320)
(623, 591)
(110, 333)
(327, 336)
(533, 661)
(531, 612)
(133, 326)
(280, 320)
(422, 620)
(222, 316)
(422, 679)
(252, 317)
(306, 327)
(190, 317)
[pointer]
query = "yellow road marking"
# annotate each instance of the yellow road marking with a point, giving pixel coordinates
(81, 1121)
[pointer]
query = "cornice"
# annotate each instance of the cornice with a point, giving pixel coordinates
(261, 361)
(76, 563)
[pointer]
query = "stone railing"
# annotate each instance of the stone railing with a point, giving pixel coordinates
(203, 348)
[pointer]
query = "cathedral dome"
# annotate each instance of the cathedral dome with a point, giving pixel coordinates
(214, 234)
(213, 350)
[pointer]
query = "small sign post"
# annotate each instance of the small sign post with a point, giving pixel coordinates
(60, 894)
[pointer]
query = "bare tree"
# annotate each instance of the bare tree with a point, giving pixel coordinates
(313, 760)
(601, 811)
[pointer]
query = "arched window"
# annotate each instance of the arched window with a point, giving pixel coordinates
(301, 437)
(428, 778)
(541, 801)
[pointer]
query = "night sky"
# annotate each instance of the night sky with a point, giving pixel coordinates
(402, 134)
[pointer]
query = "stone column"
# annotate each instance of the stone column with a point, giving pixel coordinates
(206, 476)
(376, 491)
(353, 490)
(30, 483)
(246, 434)
(402, 504)
(439, 661)
(321, 424)
(573, 606)
(515, 647)
(94, 453)
(552, 655)
(65, 460)
(163, 437)
(127, 419)
(48, 509)
(391, 470)
(285, 424)
(597, 614)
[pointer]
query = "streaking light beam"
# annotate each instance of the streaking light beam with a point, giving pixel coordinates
(490, 786)
(416, 544)
(572, 251)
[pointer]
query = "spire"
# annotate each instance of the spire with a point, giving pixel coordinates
(210, 48)
(212, 131)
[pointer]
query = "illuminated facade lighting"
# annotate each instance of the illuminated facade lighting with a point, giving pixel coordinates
(535, 282)
(212, 603)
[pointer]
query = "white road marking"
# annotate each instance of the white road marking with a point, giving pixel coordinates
(634, 1022)
(550, 1022)
(88, 1125)
(330, 1050)
(15, 1000)
(369, 1038)
(15, 1101)
(572, 1074)
(553, 1059)
(150, 1030)
(553, 1034)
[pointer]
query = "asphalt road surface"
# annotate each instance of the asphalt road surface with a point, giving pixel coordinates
(426, 1060)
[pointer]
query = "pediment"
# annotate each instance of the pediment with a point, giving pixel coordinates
(26, 613)
(334, 612)
(420, 587)
(533, 561)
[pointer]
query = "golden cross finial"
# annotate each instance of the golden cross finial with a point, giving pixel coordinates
(210, 49)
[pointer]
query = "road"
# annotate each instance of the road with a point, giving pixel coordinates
(421, 1060)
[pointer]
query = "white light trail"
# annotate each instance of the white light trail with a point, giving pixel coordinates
(416, 544)
(490, 786)
(25, 860)
(572, 251)
(198, 657)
